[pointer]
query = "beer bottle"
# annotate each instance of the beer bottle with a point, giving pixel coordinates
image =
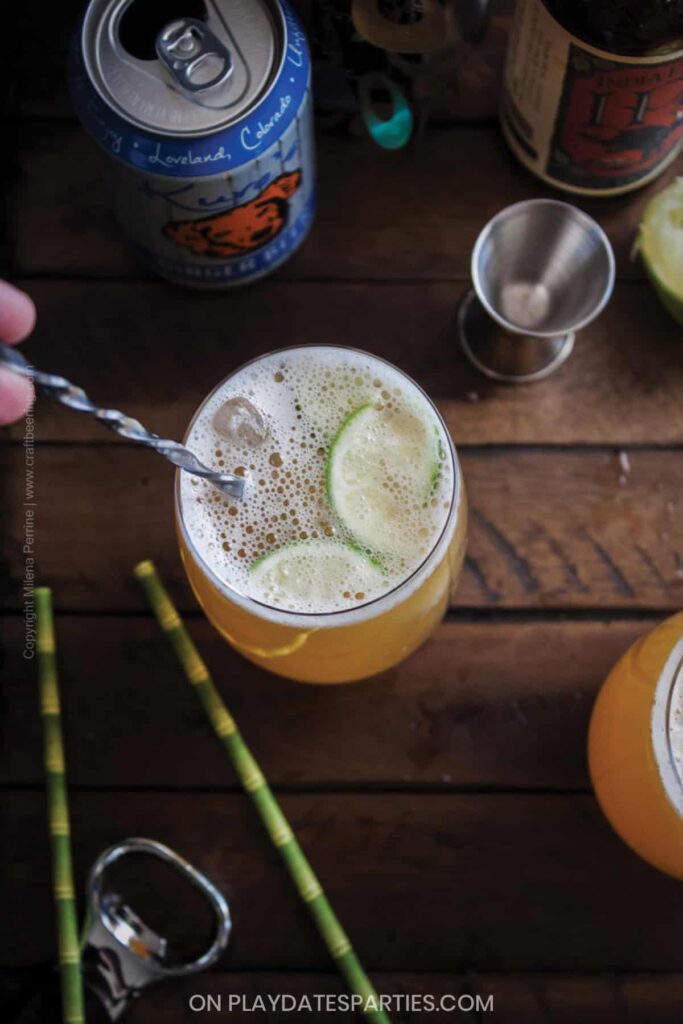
(593, 91)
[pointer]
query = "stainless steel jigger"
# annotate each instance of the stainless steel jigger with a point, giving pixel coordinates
(541, 271)
(121, 955)
(125, 426)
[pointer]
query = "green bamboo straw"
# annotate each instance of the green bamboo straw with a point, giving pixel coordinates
(58, 815)
(258, 789)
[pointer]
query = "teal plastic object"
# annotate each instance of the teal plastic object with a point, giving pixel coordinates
(392, 132)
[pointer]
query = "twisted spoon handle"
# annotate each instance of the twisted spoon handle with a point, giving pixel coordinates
(127, 427)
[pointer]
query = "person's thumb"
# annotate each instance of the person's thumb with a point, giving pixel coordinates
(16, 396)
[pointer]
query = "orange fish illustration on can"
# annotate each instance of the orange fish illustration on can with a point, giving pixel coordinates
(241, 229)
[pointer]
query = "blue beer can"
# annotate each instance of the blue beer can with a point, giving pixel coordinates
(204, 110)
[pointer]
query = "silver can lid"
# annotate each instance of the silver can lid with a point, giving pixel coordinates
(185, 67)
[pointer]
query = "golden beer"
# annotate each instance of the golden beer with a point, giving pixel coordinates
(340, 558)
(635, 747)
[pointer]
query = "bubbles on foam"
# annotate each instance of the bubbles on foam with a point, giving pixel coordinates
(676, 720)
(301, 397)
(666, 724)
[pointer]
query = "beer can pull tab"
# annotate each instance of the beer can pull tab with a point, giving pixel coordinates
(121, 955)
(196, 58)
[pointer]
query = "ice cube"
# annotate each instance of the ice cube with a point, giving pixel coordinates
(239, 421)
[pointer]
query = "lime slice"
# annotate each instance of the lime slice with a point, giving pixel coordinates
(661, 246)
(314, 575)
(382, 465)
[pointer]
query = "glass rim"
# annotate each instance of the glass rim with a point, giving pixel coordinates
(675, 684)
(231, 592)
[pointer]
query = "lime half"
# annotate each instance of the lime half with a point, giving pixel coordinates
(382, 466)
(661, 246)
(315, 576)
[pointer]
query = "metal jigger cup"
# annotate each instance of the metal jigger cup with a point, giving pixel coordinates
(541, 270)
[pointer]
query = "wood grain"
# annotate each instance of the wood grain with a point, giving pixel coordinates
(532, 999)
(517, 999)
(421, 882)
(445, 805)
(409, 215)
(549, 528)
(45, 31)
(482, 705)
(156, 351)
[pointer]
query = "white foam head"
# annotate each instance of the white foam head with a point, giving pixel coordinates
(273, 421)
(667, 726)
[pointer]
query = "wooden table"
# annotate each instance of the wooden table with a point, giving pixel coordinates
(446, 805)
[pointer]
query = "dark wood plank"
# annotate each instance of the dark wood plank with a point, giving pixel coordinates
(521, 999)
(577, 999)
(516, 998)
(421, 882)
(409, 215)
(272, 996)
(156, 352)
(483, 704)
(36, 67)
(549, 528)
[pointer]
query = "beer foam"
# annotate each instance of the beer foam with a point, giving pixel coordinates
(667, 725)
(676, 718)
(273, 422)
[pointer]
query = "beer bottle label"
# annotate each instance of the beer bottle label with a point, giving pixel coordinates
(583, 119)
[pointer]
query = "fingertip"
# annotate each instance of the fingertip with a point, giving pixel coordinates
(16, 397)
(17, 313)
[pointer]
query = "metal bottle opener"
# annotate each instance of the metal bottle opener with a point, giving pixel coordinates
(121, 955)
